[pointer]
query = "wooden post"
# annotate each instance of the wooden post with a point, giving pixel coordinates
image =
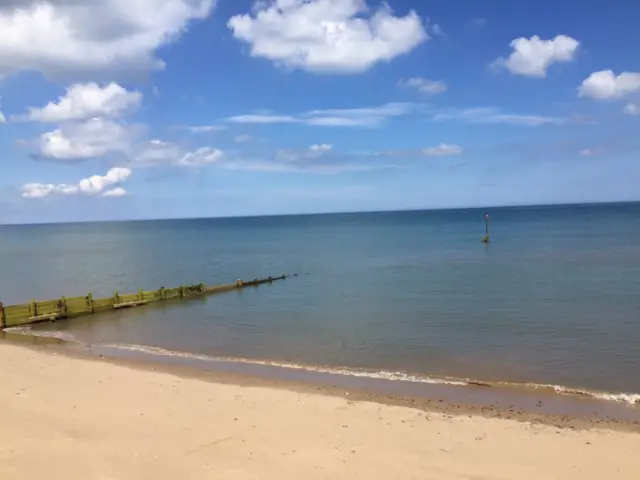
(3, 320)
(33, 308)
(140, 295)
(90, 303)
(116, 297)
(63, 305)
(181, 291)
(163, 293)
(486, 228)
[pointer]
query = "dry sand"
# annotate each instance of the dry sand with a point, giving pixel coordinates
(72, 418)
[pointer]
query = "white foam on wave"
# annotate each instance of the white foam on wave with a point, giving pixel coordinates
(375, 374)
(630, 398)
(619, 397)
(27, 330)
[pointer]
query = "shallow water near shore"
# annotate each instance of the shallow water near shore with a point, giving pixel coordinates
(528, 403)
(414, 297)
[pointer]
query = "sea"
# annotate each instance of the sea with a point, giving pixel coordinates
(552, 302)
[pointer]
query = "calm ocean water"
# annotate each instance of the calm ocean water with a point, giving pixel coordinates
(553, 299)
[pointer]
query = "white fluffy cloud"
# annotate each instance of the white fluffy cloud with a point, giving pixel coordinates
(157, 152)
(201, 157)
(105, 138)
(3, 119)
(115, 192)
(442, 150)
(94, 185)
(75, 38)
(423, 85)
(531, 57)
(93, 138)
(631, 109)
(84, 101)
(337, 36)
(605, 85)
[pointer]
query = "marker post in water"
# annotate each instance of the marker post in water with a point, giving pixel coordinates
(486, 228)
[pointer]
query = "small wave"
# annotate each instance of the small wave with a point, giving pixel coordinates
(377, 374)
(19, 330)
(27, 330)
(630, 398)
(619, 397)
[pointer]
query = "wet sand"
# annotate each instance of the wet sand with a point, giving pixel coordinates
(71, 417)
(542, 406)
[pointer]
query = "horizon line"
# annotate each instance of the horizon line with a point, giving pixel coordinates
(441, 209)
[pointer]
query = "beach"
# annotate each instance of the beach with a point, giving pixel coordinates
(69, 417)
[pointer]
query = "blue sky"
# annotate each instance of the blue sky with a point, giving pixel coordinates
(187, 108)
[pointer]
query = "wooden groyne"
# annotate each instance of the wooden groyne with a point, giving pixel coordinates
(69, 307)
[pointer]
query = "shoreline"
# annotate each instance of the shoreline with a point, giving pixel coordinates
(69, 415)
(529, 406)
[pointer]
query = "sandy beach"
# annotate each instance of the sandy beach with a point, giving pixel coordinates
(66, 417)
